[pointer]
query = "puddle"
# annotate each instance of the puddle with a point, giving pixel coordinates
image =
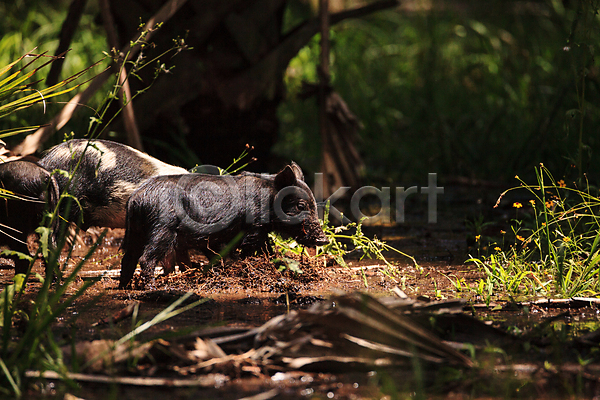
(251, 293)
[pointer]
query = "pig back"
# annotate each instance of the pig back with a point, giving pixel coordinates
(106, 173)
(199, 203)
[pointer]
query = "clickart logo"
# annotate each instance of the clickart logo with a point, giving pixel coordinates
(432, 190)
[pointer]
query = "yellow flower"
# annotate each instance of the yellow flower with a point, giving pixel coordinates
(517, 205)
(477, 238)
(549, 204)
(502, 232)
(532, 202)
(567, 239)
(561, 183)
(521, 238)
(497, 248)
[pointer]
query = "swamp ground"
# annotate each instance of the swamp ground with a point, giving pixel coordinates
(533, 350)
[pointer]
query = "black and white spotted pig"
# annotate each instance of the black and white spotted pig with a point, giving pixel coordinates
(105, 178)
(172, 213)
(36, 189)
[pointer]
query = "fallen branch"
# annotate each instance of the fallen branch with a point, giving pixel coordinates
(131, 126)
(119, 315)
(65, 37)
(210, 380)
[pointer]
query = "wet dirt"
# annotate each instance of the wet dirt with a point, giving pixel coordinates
(250, 292)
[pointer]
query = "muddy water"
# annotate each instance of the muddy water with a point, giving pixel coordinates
(231, 300)
(250, 294)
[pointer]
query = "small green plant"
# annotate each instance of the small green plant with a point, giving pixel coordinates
(36, 348)
(508, 274)
(343, 241)
(557, 253)
(237, 165)
(31, 345)
(289, 264)
(132, 68)
(241, 162)
(459, 284)
(359, 242)
(287, 246)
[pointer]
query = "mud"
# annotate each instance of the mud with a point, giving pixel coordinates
(250, 292)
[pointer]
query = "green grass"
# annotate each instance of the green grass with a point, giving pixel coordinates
(482, 92)
(556, 248)
(34, 346)
(30, 343)
(37, 26)
(26, 338)
(18, 87)
(344, 241)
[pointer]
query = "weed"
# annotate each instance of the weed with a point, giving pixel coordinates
(557, 252)
(101, 120)
(18, 92)
(345, 240)
(36, 347)
(31, 344)
(237, 165)
(459, 284)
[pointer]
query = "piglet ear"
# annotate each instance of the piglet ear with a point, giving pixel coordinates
(297, 171)
(286, 177)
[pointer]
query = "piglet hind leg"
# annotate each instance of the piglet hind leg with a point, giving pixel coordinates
(180, 257)
(183, 259)
(128, 265)
(147, 265)
(134, 245)
(159, 247)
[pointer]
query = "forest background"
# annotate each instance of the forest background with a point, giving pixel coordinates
(475, 91)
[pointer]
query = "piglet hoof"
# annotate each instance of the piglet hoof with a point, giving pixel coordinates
(126, 284)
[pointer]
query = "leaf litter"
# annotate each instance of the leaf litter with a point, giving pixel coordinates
(335, 335)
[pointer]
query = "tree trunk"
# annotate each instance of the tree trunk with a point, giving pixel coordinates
(225, 88)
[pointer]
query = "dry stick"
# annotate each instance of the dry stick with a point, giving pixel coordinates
(339, 159)
(66, 36)
(327, 163)
(118, 316)
(33, 141)
(202, 381)
(131, 127)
